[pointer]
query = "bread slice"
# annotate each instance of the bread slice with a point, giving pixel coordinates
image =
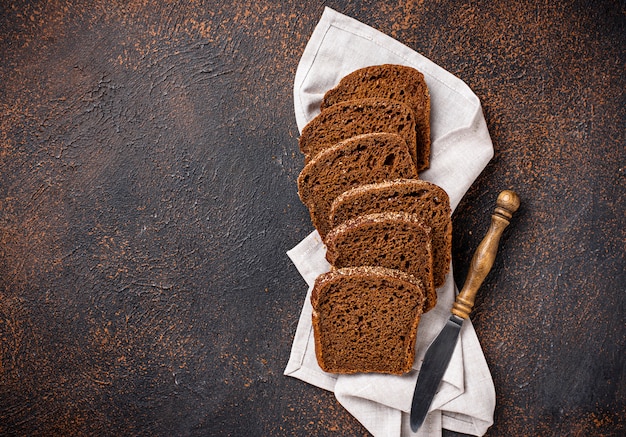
(395, 82)
(427, 200)
(347, 119)
(359, 160)
(365, 320)
(395, 240)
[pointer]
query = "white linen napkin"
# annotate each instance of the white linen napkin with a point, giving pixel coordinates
(461, 148)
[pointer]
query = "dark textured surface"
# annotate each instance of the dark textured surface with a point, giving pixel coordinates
(148, 195)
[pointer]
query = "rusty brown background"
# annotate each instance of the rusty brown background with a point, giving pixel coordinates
(148, 156)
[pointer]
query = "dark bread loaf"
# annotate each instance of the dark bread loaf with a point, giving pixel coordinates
(365, 320)
(395, 240)
(424, 199)
(388, 249)
(395, 82)
(359, 160)
(348, 119)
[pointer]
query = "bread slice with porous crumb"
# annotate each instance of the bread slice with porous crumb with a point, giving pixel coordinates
(395, 240)
(356, 117)
(365, 320)
(395, 82)
(358, 160)
(424, 199)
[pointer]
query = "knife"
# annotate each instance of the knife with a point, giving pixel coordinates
(440, 351)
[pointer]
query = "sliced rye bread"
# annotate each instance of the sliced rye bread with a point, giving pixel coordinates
(359, 160)
(396, 240)
(395, 82)
(348, 119)
(365, 320)
(427, 200)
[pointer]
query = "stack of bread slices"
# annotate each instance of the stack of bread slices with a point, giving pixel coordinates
(387, 233)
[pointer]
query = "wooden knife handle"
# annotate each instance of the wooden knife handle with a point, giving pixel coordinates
(485, 254)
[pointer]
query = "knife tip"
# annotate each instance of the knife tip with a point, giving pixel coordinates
(416, 423)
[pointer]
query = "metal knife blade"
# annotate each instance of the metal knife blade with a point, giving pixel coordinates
(440, 351)
(435, 364)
